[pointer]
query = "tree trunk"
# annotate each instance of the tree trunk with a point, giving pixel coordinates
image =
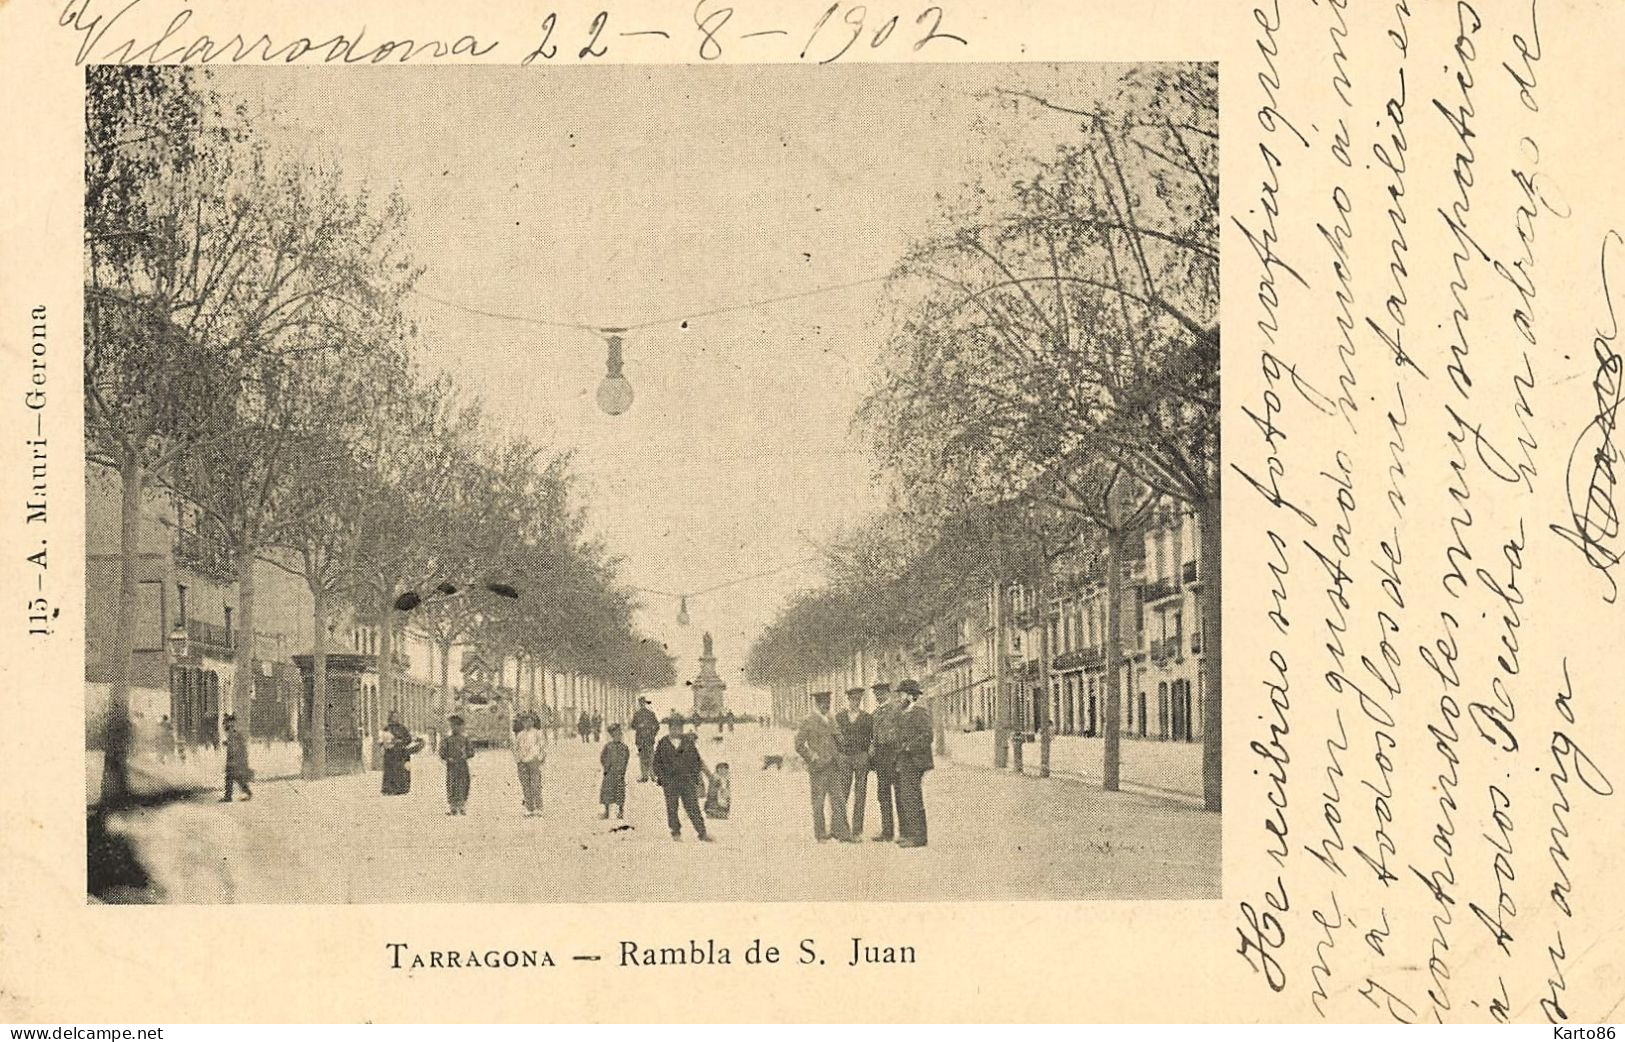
(1045, 724)
(386, 672)
(318, 685)
(1001, 707)
(1114, 658)
(242, 695)
(1210, 568)
(445, 678)
(115, 729)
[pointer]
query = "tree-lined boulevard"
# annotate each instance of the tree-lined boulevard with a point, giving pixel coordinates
(1035, 407)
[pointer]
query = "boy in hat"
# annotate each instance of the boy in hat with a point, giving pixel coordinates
(888, 736)
(614, 758)
(816, 744)
(456, 749)
(237, 770)
(913, 760)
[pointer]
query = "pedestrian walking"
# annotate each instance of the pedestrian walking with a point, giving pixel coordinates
(597, 726)
(888, 730)
(584, 726)
(238, 772)
(166, 739)
(529, 754)
(645, 729)
(913, 760)
(854, 739)
(678, 769)
(398, 745)
(455, 750)
(816, 745)
(613, 759)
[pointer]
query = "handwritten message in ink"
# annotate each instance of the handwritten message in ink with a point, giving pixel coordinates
(1418, 742)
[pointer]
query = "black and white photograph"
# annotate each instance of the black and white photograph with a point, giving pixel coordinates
(652, 483)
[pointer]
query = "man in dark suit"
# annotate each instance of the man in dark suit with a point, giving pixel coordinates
(913, 760)
(888, 734)
(678, 770)
(645, 729)
(816, 744)
(855, 735)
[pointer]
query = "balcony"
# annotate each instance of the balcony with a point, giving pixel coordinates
(209, 638)
(1158, 590)
(1083, 658)
(955, 654)
(1167, 648)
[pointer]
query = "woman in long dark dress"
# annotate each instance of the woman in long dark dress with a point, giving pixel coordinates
(456, 749)
(614, 758)
(397, 755)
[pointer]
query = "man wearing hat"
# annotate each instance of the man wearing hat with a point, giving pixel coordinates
(645, 729)
(816, 744)
(237, 769)
(888, 737)
(678, 769)
(913, 760)
(855, 734)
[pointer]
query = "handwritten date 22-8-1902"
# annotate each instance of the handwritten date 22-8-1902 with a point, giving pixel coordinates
(831, 36)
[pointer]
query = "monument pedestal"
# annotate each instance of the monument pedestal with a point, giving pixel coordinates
(709, 687)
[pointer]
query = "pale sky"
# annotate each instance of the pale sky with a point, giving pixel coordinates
(619, 195)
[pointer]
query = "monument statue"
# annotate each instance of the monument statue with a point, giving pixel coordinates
(708, 686)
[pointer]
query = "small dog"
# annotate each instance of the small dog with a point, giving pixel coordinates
(776, 762)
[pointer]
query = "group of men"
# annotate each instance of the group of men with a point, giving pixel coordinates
(894, 743)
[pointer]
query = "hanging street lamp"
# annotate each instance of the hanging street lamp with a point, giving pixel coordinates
(614, 393)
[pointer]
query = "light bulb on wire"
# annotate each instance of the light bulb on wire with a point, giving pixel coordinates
(614, 393)
(682, 611)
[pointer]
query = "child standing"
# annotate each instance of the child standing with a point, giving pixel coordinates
(719, 797)
(456, 749)
(614, 759)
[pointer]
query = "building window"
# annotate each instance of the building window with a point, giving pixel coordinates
(180, 601)
(228, 625)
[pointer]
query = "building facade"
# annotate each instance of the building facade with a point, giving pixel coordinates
(955, 658)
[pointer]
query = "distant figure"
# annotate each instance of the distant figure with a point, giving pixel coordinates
(597, 726)
(166, 739)
(237, 770)
(456, 750)
(645, 729)
(888, 724)
(719, 797)
(529, 754)
(614, 758)
(584, 726)
(815, 743)
(678, 769)
(855, 735)
(913, 760)
(399, 745)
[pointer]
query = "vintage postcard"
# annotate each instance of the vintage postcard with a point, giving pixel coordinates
(518, 508)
